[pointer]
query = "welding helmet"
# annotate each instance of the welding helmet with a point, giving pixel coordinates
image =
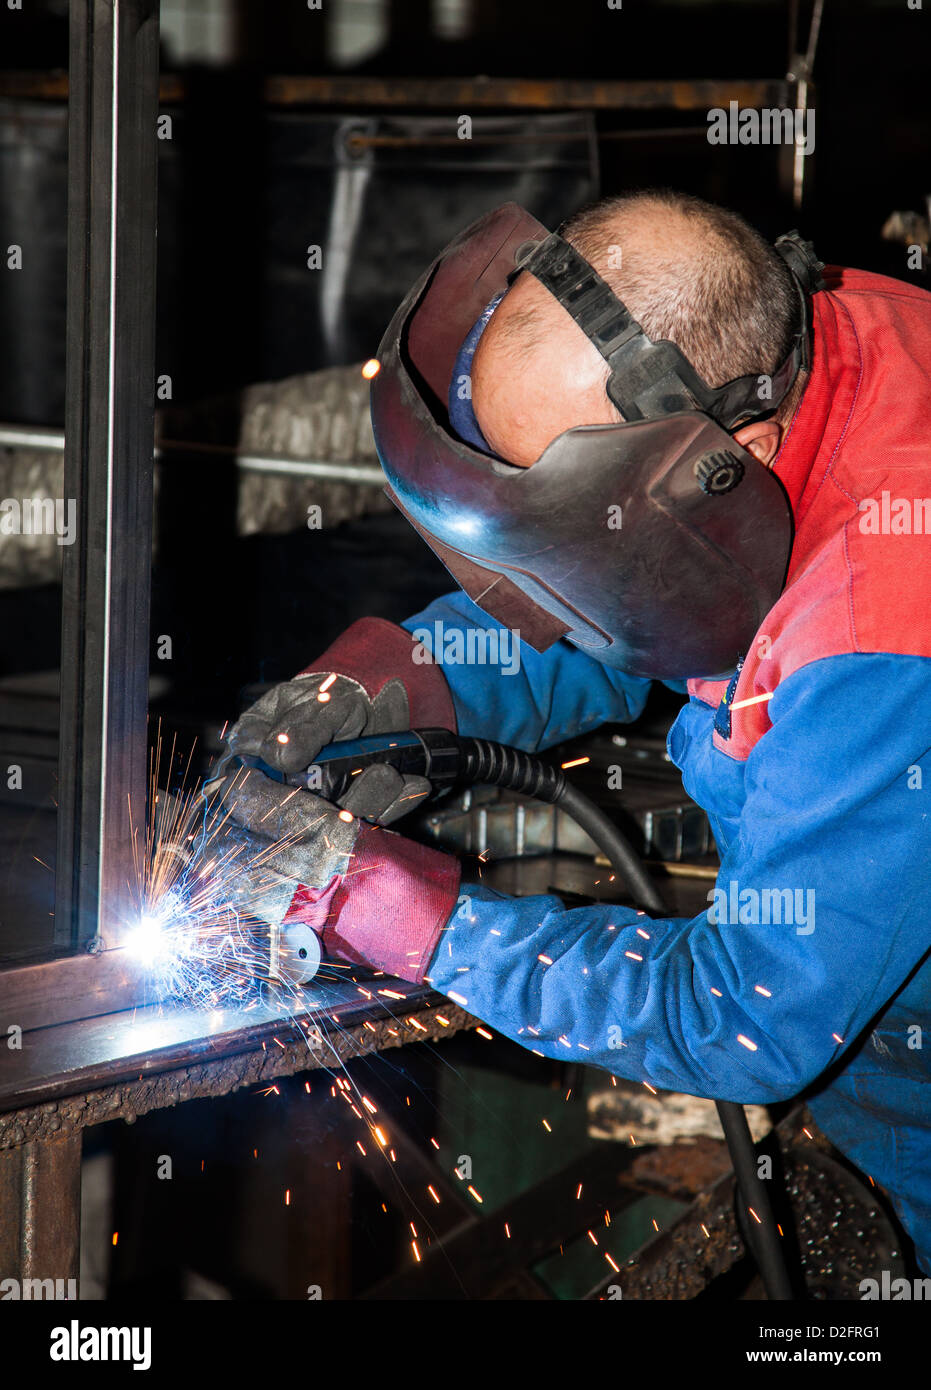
(656, 545)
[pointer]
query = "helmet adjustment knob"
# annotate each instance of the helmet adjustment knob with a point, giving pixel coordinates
(526, 249)
(718, 472)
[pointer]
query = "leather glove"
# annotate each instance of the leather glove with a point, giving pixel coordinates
(373, 896)
(386, 898)
(291, 723)
(365, 683)
(293, 833)
(300, 835)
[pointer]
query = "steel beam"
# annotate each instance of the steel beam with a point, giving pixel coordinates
(463, 93)
(40, 1213)
(109, 431)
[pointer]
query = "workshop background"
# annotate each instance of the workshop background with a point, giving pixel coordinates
(282, 128)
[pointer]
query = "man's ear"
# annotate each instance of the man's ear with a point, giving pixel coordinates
(761, 438)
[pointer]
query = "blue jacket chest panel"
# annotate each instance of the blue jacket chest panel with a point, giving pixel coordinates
(709, 776)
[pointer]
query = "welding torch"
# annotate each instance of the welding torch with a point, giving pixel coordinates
(445, 760)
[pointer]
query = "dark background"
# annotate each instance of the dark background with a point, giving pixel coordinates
(243, 190)
(245, 187)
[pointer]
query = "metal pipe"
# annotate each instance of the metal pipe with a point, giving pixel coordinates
(408, 142)
(459, 93)
(366, 474)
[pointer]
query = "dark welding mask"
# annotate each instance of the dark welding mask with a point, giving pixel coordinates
(657, 545)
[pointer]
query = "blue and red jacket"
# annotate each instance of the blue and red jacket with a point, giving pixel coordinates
(811, 968)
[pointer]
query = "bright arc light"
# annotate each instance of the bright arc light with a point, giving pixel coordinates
(371, 368)
(147, 940)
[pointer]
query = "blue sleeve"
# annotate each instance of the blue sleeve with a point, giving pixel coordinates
(742, 1002)
(528, 699)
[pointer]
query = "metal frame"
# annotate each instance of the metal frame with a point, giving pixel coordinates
(91, 1072)
(109, 434)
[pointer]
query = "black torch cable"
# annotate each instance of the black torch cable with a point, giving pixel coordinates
(763, 1238)
(496, 763)
(499, 765)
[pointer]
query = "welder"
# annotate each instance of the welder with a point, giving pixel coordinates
(658, 448)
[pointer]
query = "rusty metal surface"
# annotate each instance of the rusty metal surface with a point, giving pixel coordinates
(702, 1245)
(679, 1170)
(527, 92)
(281, 1055)
(40, 1204)
(460, 92)
(838, 1228)
(682, 1262)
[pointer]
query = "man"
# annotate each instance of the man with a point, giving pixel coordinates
(805, 643)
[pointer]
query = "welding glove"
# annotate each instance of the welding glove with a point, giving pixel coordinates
(365, 683)
(268, 838)
(370, 894)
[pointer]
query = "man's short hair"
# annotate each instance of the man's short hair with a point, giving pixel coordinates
(724, 296)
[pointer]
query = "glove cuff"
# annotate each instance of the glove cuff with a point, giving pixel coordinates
(373, 651)
(390, 909)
